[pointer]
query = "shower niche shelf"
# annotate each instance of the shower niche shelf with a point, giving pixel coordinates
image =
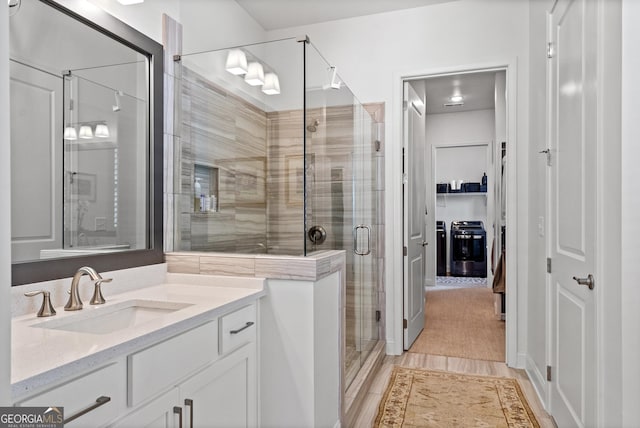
(208, 177)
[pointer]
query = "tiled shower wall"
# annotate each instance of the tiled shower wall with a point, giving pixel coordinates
(259, 159)
(226, 134)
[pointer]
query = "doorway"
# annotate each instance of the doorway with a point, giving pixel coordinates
(465, 215)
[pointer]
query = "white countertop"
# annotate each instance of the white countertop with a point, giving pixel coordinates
(43, 356)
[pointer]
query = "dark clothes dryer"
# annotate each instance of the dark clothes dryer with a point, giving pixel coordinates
(441, 248)
(468, 249)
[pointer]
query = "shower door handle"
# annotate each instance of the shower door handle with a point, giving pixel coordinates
(355, 240)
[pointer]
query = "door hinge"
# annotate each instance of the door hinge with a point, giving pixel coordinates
(378, 315)
(405, 252)
(405, 324)
(550, 50)
(549, 373)
(548, 264)
(547, 152)
(405, 104)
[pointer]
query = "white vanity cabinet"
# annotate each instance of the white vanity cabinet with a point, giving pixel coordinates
(100, 393)
(206, 377)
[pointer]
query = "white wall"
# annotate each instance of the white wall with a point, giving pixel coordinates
(476, 126)
(5, 217)
(630, 207)
(374, 52)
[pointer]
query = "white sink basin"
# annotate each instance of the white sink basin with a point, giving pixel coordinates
(108, 319)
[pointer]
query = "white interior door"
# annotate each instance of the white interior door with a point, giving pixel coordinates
(572, 95)
(36, 140)
(414, 218)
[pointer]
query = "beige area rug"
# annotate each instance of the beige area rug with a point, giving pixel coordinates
(426, 398)
(462, 323)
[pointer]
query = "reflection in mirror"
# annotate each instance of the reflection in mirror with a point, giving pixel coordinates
(83, 132)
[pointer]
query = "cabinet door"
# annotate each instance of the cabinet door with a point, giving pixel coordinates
(159, 413)
(224, 394)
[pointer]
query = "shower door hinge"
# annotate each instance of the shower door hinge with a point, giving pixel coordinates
(405, 252)
(550, 50)
(549, 373)
(405, 324)
(548, 264)
(378, 316)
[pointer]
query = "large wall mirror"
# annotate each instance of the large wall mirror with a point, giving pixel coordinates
(86, 141)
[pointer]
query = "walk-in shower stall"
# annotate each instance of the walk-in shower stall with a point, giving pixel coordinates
(276, 155)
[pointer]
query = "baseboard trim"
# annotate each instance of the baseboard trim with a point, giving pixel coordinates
(538, 380)
(521, 361)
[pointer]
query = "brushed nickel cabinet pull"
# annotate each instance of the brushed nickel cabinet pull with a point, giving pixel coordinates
(246, 326)
(99, 402)
(178, 411)
(189, 402)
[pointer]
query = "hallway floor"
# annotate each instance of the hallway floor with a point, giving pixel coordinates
(369, 409)
(453, 311)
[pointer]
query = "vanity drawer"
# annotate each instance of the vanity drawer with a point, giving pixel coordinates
(237, 328)
(85, 392)
(152, 370)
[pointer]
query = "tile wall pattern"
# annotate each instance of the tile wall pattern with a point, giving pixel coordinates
(222, 131)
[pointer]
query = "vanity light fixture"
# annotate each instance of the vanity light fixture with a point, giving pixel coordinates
(85, 132)
(70, 133)
(236, 62)
(102, 131)
(255, 74)
(271, 84)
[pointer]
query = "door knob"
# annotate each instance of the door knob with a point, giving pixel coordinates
(588, 281)
(425, 243)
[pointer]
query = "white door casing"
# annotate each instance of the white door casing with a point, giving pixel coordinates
(572, 85)
(414, 218)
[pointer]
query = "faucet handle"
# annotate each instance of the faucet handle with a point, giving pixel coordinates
(97, 298)
(46, 310)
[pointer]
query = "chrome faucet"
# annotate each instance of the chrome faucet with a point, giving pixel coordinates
(74, 303)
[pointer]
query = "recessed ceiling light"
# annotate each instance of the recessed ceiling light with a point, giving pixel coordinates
(129, 2)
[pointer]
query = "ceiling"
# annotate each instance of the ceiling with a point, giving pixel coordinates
(277, 14)
(477, 89)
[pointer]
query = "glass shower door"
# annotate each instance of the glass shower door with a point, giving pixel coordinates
(364, 234)
(340, 198)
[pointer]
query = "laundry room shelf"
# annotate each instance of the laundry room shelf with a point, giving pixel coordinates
(442, 197)
(462, 194)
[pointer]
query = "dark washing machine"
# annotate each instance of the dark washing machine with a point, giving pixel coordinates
(468, 249)
(441, 248)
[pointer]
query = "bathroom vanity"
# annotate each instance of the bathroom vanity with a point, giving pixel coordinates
(182, 353)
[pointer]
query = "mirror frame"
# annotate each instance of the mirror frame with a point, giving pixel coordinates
(46, 270)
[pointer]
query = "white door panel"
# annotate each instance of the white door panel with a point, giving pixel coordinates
(572, 107)
(36, 140)
(414, 218)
